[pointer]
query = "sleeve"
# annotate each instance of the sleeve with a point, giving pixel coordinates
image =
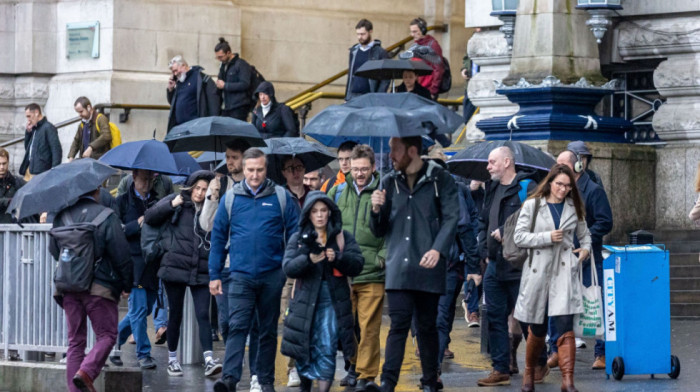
(159, 213)
(288, 120)
(351, 261)
(695, 211)
(438, 69)
(379, 222)
(105, 137)
(244, 75)
(118, 249)
(131, 228)
(54, 146)
(296, 263)
(584, 237)
(213, 97)
(466, 232)
(219, 238)
(211, 204)
(449, 214)
(602, 216)
(75, 146)
(522, 235)
(169, 94)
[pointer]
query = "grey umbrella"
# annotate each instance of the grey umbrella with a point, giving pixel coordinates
(211, 134)
(58, 188)
(312, 155)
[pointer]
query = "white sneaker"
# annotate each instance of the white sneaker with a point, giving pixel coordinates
(212, 367)
(580, 343)
(174, 369)
(254, 385)
(294, 380)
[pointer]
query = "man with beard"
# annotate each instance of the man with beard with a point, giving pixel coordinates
(314, 179)
(93, 138)
(366, 49)
(191, 93)
(416, 211)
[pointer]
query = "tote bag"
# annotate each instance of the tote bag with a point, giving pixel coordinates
(589, 324)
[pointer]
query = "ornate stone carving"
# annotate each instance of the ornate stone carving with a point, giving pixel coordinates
(655, 38)
(552, 81)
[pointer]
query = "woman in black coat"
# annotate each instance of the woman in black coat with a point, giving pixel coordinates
(185, 264)
(271, 118)
(321, 257)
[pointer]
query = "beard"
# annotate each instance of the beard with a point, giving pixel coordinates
(402, 163)
(181, 78)
(365, 42)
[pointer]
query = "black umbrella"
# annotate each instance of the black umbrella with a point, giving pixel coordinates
(58, 188)
(211, 134)
(391, 69)
(312, 155)
(472, 161)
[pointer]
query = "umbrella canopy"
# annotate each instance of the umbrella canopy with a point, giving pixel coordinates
(143, 154)
(208, 157)
(186, 165)
(58, 188)
(472, 161)
(211, 134)
(312, 155)
(391, 69)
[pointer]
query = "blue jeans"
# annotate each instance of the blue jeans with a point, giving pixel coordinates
(500, 301)
(135, 322)
(446, 311)
(222, 303)
(474, 296)
(160, 314)
(246, 295)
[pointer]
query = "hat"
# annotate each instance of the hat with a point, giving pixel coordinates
(579, 148)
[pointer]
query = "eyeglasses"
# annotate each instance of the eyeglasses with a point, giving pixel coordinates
(363, 170)
(297, 168)
(562, 185)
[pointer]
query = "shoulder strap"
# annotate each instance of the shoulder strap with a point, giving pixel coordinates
(228, 201)
(97, 126)
(281, 198)
(102, 216)
(532, 225)
(339, 191)
(522, 193)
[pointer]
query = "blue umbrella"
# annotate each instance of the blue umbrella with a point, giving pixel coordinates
(186, 165)
(143, 154)
(208, 157)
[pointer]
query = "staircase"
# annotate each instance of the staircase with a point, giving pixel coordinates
(684, 247)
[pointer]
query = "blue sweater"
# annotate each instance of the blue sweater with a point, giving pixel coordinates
(257, 230)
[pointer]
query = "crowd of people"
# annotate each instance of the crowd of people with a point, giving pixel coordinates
(323, 253)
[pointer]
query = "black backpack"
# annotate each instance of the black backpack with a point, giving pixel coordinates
(78, 257)
(255, 79)
(446, 82)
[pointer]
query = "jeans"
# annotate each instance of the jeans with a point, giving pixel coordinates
(474, 296)
(103, 314)
(500, 301)
(247, 295)
(446, 311)
(136, 320)
(222, 304)
(160, 311)
(403, 304)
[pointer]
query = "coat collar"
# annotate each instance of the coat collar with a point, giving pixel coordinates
(567, 213)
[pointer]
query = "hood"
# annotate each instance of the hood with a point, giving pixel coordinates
(267, 88)
(199, 175)
(370, 45)
(196, 68)
(335, 221)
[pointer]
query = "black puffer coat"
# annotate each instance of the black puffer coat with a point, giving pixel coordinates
(186, 258)
(297, 265)
(279, 121)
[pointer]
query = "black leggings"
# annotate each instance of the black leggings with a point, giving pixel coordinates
(176, 301)
(563, 324)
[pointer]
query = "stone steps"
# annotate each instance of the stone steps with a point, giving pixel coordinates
(685, 296)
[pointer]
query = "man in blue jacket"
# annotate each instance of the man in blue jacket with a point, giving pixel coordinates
(254, 219)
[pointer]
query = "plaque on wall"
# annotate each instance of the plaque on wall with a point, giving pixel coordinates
(83, 40)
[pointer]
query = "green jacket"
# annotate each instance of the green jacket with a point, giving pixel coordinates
(356, 210)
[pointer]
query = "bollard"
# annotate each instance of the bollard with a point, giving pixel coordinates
(190, 347)
(484, 328)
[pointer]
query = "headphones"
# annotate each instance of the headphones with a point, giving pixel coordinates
(422, 25)
(578, 166)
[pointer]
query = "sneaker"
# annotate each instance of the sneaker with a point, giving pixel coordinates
(496, 378)
(294, 380)
(145, 363)
(599, 363)
(116, 360)
(580, 343)
(174, 369)
(473, 320)
(466, 311)
(212, 367)
(254, 385)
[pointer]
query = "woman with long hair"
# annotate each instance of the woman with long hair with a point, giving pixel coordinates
(550, 285)
(321, 256)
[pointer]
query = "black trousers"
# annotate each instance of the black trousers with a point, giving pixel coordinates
(403, 304)
(239, 113)
(176, 303)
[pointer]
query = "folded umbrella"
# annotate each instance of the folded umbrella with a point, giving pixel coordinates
(312, 155)
(472, 161)
(58, 188)
(211, 134)
(143, 154)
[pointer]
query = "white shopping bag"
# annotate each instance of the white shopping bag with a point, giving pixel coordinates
(589, 324)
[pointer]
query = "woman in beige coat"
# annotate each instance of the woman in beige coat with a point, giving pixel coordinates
(550, 285)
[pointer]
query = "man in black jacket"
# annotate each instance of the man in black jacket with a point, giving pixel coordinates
(9, 185)
(416, 211)
(41, 145)
(113, 276)
(191, 93)
(235, 76)
(366, 49)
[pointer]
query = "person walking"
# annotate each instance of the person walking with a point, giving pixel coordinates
(191, 93)
(41, 145)
(418, 28)
(93, 137)
(364, 50)
(185, 264)
(321, 256)
(550, 285)
(272, 118)
(9, 184)
(233, 81)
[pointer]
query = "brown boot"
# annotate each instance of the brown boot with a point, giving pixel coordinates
(553, 360)
(567, 359)
(533, 349)
(495, 378)
(514, 343)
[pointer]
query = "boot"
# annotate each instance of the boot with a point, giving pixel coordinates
(533, 349)
(515, 340)
(567, 359)
(305, 384)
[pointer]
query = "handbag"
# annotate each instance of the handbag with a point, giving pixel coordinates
(589, 324)
(511, 252)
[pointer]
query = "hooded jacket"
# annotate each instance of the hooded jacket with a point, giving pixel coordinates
(279, 121)
(432, 81)
(356, 211)
(376, 52)
(414, 222)
(296, 337)
(43, 146)
(186, 244)
(256, 231)
(208, 98)
(8, 187)
(237, 75)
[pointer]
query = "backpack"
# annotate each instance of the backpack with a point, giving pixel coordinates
(339, 191)
(255, 79)
(113, 129)
(511, 252)
(281, 198)
(446, 82)
(78, 257)
(152, 238)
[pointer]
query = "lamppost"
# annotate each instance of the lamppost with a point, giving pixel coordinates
(600, 11)
(505, 11)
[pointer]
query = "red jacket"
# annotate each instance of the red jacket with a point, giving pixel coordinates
(432, 81)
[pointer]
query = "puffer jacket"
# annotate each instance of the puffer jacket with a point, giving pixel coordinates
(279, 121)
(297, 265)
(186, 258)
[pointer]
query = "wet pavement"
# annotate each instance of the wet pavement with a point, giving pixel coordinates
(462, 372)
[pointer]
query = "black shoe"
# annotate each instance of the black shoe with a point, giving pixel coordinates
(306, 384)
(267, 388)
(116, 360)
(350, 380)
(361, 385)
(223, 385)
(372, 387)
(214, 335)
